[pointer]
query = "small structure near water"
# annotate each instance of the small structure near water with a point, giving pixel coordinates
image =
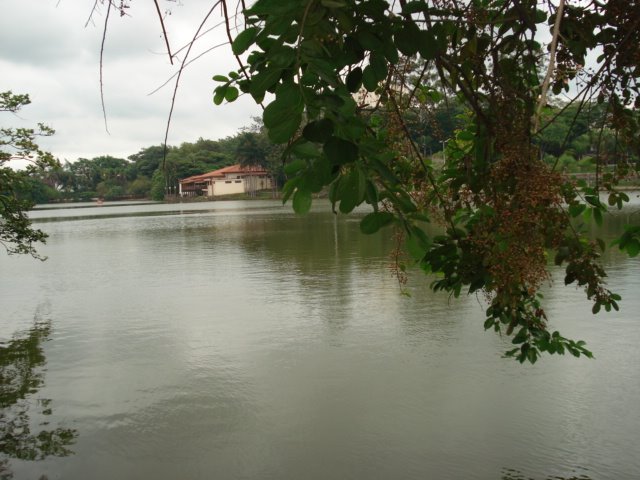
(226, 181)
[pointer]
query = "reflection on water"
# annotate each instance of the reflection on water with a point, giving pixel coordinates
(22, 364)
(511, 474)
(238, 340)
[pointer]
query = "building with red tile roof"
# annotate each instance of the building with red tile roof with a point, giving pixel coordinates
(226, 181)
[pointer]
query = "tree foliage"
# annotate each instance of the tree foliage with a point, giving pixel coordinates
(16, 233)
(153, 172)
(341, 79)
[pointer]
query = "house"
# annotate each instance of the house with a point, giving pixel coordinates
(226, 181)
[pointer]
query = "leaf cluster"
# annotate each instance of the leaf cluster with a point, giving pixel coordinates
(16, 233)
(345, 80)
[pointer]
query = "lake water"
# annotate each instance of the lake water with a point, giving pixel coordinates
(236, 340)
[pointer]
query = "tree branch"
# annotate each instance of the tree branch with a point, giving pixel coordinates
(104, 37)
(542, 100)
(164, 31)
(175, 89)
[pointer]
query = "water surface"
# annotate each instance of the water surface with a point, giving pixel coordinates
(235, 340)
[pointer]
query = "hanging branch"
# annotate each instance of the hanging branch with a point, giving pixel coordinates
(164, 31)
(175, 89)
(228, 29)
(104, 38)
(93, 9)
(166, 82)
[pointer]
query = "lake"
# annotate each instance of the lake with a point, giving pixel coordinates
(236, 340)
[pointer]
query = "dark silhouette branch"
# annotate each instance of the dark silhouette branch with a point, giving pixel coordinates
(164, 31)
(104, 38)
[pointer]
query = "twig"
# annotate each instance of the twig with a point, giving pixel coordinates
(164, 31)
(198, 37)
(104, 37)
(175, 89)
(552, 63)
(186, 65)
(228, 29)
(93, 9)
(425, 168)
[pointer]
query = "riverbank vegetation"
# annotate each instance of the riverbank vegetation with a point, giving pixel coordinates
(150, 173)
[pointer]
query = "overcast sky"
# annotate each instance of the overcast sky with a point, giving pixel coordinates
(47, 51)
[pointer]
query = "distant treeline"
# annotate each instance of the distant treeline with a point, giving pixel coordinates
(148, 173)
(574, 143)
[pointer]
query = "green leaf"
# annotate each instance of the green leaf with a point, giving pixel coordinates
(289, 188)
(371, 195)
(283, 116)
(540, 16)
(263, 81)
(633, 247)
(368, 40)
(576, 209)
(282, 132)
(354, 80)
(404, 202)
(333, 3)
(374, 221)
(593, 200)
(427, 45)
(369, 80)
(340, 151)
(317, 176)
(406, 39)
(532, 355)
(417, 243)
(302, 201)
(244, 40)
(561, 255)
(465, 135)
(390, 52)
(415, 6)
(219, 94)
(220, 78)
(353, 128)
(521, 336)
(415, 247)
(294, 167)
(302, 148)
(379, 65)
(231, 94)
(351, 190)
(269, 7)
(282, 56)
(597, 216)
(318, 131)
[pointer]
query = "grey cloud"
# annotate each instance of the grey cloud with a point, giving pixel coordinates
(47, 52)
